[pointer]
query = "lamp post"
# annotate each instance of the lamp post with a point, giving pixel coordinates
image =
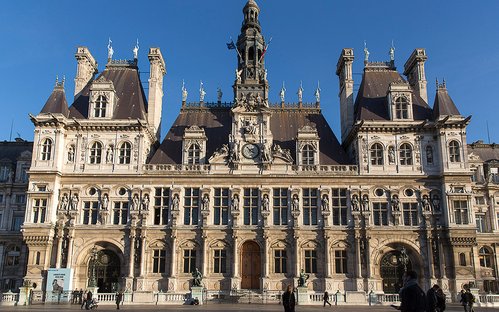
(93, 258)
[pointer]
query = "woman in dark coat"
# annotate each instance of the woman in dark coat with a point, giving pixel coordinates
(288, 300)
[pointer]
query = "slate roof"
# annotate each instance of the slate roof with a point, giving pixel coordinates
(444, 106)
(131, 102)
(56, 102)
(216, 123)
(12, 150)
(372, 103)
(487, 152)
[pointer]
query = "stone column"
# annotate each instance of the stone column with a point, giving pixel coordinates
(131, 254)
(143, 256)
(70, 249)
(204, 262)
(173, 264)
(327, 256)
(358, 256)
(60, 238)
(265, 255)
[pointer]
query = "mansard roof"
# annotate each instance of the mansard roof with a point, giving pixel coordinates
(372, 102)
(56, 103)
(486, 152)
(284, 125)
(131, 104)
(444, 106)
(13, 150)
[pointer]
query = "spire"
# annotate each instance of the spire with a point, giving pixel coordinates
(56, 103)
(444, 106)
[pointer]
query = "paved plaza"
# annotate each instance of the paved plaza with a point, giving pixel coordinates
(220, 307)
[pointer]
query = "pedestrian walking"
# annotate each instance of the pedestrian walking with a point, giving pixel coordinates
(119, 298)
(83, 300)
(431, 298)
(412, 297)
(326, 298)
(288, 300)
(467, 300)
(440, 300)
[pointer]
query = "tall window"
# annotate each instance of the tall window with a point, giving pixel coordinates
(90, 212)
(310, 261)
(380, 213)
(100, 106)
(39, 210)
(4, 173)
(461, 211)
(462, 259)
(280, 259)
(377, 154)
(161, 205)
(125, 153)
(46, 149)
(485, 256)
(410, 214)
(454, 154)
(189, 260)
(339, 198)
(481, 225)
(307, 155)
(401, 108)
(159, 261)
(13, 255)
(221, 206)
(251, 206)
(219, 261)
(340, 261)
(191, 206)
(310, 206)
(194, 155)
(96, 153)
(280, 206)
(17, 221)
(120, 212)
(406, 154)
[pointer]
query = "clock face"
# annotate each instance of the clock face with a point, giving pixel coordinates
(250, 151)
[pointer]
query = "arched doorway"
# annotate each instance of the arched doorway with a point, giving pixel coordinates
(250, 266)
(393, 266)
(107, 271)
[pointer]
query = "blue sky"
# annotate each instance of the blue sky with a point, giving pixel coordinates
(39, 39)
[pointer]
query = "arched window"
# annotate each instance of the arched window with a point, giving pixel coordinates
(13, 255)
(193, 154)
(454, 155)
(377, 154)
(406, 154)
(37, 258)
(307, 154)
(401, 108)
(46, 149)
(100, 106)
(429, 155)
(96, 153)
(462, 259)
(485, 257)
(125, 153)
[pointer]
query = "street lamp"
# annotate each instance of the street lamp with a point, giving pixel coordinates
(93, 282)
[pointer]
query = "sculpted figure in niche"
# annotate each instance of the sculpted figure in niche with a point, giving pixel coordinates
(295, 205)
(175, 202)
(145, 202)
(105, 202)
(74, 202)
(235, 202)
(365, 203)
(64, 202)
(395, 203)
(436, 202)
(355, 203)
(71, 154)
(325, 203)
(109, 154)
(266, 153)
(391, 155)
(426, 203)
(265, 203)
(206, 202)
(135, 202)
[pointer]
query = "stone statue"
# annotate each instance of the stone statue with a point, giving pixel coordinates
(71, 154)
(145, 202)
(365, 203)
(197, 277)
(238, 75)
(295, 205)
(395, 203)
(135, 202)
(219, 95)
(426, 203)
(391, 155)
(355, 203)
(366, 52)
(249, 127)
(300, 93)
(184, 92)
(265, 75)
(282, 93)
(136, 50)
(266, 156)
(202, 93)
(64, 202)
(302, 281)
(175, 202)
(74, 202)
(318, 93)
(436, 203)
(206, 202)
(109, 154)
(105, 202)
(325, 203)
(235, 202)
(265, 203)
(392, 53)
(110, 50)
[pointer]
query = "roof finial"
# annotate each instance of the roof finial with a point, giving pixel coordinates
(136, 50)
(110, 50)
(56, 80)
(282, 93)
(63, 80)
(300, 92)
(392, 52)
(366, 53)
(318, 93)
(184, 92)
(219, 95)
(202, 93)
(436, 83)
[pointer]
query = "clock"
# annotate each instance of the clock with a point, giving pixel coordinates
(250, 151)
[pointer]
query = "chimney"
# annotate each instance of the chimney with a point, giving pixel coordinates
(414, 70)
(87, 68)
(155, 100)
(344, 72)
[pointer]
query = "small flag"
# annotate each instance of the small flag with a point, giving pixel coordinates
(265, 47)
(231, 45)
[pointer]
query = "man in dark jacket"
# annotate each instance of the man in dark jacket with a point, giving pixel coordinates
(412, 297)
(288, 300)
(431, 298)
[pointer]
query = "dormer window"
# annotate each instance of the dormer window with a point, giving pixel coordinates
(125, 153)
(96, 153)
(454, 154)
(400, 100)
(401, 108)
(46, 153)
(307, 155)
(194, 155)
(194, 146)
(307, 147)
(100, 106)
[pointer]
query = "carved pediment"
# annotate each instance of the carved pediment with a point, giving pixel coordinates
(220, 155)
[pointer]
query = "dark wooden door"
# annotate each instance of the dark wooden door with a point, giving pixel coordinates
(250, 266)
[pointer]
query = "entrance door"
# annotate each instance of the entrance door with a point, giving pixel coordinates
(250, 266)
(107, 271)
(392, 269)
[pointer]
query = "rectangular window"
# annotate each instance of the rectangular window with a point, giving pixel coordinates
(280, 206)
(4, 173)
(481, 225)
(339, 197)
(120, 213)
(340, 261)
(480, 200)
(191, 206)
(310, 206)
(410, 214)
(24, 174)
(189, 260)
(310, 261)
(250, 206)
(39, 210)
(461, 211)
(380, 213)
(17, 221)
(159, 261)
(20, 198)
(280, 260)
(90, 212)
(221, 207)
(161, 205)
(220, 261)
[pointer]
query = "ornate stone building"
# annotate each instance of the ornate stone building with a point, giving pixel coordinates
(251, 192)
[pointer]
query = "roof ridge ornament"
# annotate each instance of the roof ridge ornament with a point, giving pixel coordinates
(282, 93)
(202, 93)
(318, 92)
(110, 50)
(392, 53)
(366, 53)
(136, 50)
(184, 92)
(300, 92)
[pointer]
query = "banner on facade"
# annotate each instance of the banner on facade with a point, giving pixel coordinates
(59, 283)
